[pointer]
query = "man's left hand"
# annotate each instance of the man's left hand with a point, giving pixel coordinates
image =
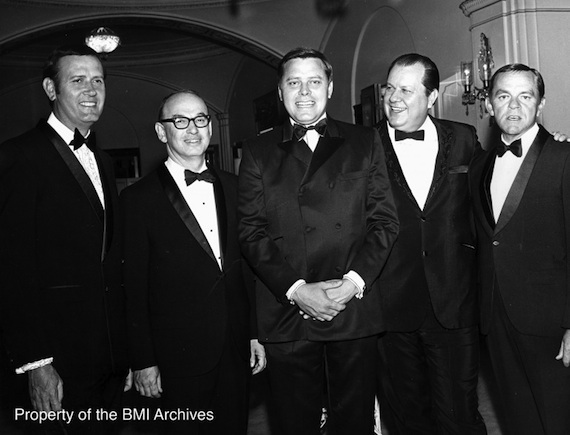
(343, 293)
(257, 359)
(564, 353)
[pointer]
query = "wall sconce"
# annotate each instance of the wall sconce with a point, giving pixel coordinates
(472, 93)
(103, 40)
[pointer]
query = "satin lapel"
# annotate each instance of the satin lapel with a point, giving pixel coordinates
(445, 139)
(76, 169)
(298, 149)
(393, 164)
(222, 215)
(326, 147)
(177, 200)
(482, 170)
(107, 180)
(521, 180)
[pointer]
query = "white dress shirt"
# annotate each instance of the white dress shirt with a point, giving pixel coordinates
(506, 169)
(417, 159)
(201, 199)
(83, 154)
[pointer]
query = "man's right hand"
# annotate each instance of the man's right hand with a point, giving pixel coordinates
(314, 302)
(147, 382)
(46, 388)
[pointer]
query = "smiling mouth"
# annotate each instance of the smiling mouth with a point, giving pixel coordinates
(304, 104)
(397, 109)
(88, 104)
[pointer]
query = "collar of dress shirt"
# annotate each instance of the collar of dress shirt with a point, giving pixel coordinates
(526, 140)
(65, 133)
(428, 127)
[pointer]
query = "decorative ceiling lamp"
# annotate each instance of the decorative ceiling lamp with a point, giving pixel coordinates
(103, 40)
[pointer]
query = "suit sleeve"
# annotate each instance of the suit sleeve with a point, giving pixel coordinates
(381, 219)
(136, 258)
(21, 313)
(259, 249)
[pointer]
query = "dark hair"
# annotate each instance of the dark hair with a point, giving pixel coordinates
(172, 94)
(52, 66)
(518, 67)
(304, 53)
(430, 80)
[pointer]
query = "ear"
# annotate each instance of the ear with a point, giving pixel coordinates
(279, 93)
(160, 132)
(330, 90)
(489, 106)
(540, 107)
(49, 88)
(432, 97)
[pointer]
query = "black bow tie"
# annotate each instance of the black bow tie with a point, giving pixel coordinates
(299, 130)
(190, 176)
(78, 141)
(515, 147)
(416, 135)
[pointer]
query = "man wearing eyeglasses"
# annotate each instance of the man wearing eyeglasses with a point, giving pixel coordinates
(188, 311)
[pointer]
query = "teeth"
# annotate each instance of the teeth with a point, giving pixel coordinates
(397, 109)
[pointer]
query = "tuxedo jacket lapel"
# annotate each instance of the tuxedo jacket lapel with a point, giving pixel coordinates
(297, 148)
(76, 169)
(326, 147)
(177, 200)
(521, 180)
(221, 213)
(445, 140)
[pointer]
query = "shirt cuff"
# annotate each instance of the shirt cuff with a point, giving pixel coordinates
(34, 365)
(293, 289)
(357, 280)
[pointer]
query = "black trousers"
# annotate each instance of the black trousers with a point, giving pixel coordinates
(428, 381)
(215, 403)
(300, 371)
(534, 387)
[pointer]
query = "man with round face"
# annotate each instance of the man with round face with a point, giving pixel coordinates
(520, 194)
(317, 222)
(429, 298)
(187, 302)
(60, 260)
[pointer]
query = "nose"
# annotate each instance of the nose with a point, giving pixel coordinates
(514, 103)
(394, 96)
(304, 90)
(192, 127)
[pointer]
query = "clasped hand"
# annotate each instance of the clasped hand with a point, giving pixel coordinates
(324, 300)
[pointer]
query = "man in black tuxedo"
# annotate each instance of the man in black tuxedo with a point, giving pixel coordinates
(317, 221)
(188, 307)
(521, 194)
(429, 356)
(62, 299)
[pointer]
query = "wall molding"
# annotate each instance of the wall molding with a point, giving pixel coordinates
(470, 6)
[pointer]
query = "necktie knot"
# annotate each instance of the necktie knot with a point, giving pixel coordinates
(190, 176)
(514, 147)
(416, 135)
(299, 130)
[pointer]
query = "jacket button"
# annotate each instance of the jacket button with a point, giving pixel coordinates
(423, 218)
(495, 243)
(308, 229)
(338, 226)
(424, 254)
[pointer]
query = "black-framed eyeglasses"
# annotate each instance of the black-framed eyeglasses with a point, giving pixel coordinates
(182, 122)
